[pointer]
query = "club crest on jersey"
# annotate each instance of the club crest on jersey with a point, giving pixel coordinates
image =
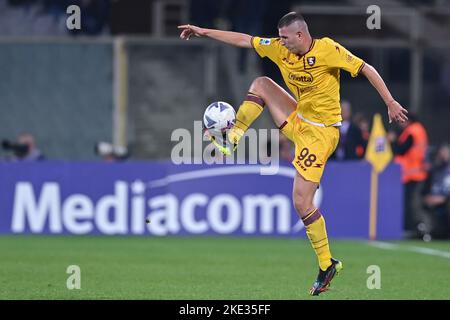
(311, 61)
(264, 42)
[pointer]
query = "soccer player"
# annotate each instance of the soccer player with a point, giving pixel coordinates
(310, 68)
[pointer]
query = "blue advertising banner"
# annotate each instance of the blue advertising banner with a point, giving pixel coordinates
(116, 199)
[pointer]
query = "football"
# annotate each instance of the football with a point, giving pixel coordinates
(219, 116)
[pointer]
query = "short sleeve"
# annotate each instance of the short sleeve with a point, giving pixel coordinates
(267, 47)
(340, 57)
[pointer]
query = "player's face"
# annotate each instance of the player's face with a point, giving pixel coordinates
(290, 38)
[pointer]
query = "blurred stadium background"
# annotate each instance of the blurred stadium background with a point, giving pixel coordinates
(102, 103)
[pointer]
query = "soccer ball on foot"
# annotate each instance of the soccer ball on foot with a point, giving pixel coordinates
(219, 116)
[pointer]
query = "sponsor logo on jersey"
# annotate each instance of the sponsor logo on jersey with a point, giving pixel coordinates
(307, 89)
(264, 42)
(302, 76)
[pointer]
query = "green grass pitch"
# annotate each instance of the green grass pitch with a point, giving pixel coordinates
(174, 268)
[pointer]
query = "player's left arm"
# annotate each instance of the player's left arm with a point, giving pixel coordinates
(395, 110)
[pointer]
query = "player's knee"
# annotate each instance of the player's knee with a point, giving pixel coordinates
(303, 205)
(259, 86)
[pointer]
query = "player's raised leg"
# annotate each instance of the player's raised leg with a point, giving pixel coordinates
(263, 92)
(303, 195)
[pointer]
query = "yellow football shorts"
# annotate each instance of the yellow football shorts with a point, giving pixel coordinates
(313, 146)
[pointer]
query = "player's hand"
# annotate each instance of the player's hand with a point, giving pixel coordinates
(396, 112)
(188, 30)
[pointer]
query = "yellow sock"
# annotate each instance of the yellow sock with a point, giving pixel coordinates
(249, 110)
(317, 234)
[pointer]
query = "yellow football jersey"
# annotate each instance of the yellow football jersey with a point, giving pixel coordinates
(314, 77)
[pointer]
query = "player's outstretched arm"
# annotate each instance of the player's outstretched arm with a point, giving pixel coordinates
(234, 38)
(395, 110)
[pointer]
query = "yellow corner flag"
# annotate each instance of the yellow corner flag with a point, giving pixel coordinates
(379, 154)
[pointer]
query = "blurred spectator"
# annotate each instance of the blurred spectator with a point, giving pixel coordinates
(351, 143)
(410, 150)
(437, 194)
(363, 124)
(24, 149)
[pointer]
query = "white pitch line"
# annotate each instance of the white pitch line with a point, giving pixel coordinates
(432, 252)
(383, 245)
(428, 251)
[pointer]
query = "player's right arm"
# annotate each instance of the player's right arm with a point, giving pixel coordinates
(234, 38)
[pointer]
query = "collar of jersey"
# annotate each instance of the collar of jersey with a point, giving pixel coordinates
(309, 50)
